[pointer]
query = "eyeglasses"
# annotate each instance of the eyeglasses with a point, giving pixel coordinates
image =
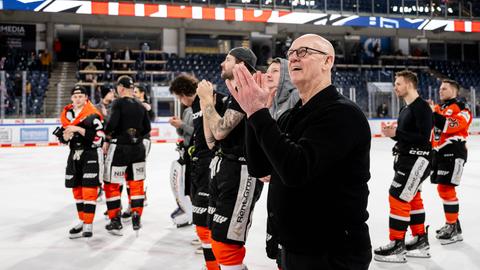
(303, 51)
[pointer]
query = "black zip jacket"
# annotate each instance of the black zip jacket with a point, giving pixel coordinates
(318, 156)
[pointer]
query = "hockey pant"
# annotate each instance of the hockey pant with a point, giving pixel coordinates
(177, 183)
(125, 162)
(204, 234)
(84, 168)
(448, 163)
(406, 205)
(200, 190)
(233, 197)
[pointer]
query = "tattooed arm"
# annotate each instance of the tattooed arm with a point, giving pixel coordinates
(219, 126)
(209, 139)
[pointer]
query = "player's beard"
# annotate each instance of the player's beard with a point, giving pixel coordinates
(227, 75)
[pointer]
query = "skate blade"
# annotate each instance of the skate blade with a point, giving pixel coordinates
(419, 253)
(399, 258)
(75, 235)
(195, 242)
(183, 225)
(116, 232)
(126, 220)
(452, 240)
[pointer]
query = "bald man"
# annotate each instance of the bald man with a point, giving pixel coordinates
(317, 154)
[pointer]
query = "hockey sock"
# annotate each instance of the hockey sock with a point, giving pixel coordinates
(137, 195)
(205, 237)
(399, 218)
(77, 195)
(417, 215)
(228, 256)
(112, 193)
(450, 202)
(89, 203)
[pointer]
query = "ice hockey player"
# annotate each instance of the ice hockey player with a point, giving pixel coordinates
(233, 192)
(184, 87)
(82, 130)
(452, 119)
(412, 166)
(125, 130)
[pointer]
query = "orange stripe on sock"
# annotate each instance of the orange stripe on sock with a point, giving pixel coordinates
(228, 254)
(136, 189)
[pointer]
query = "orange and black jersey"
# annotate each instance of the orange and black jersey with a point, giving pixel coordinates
(451, 122)
(414, 126)
(89, 119)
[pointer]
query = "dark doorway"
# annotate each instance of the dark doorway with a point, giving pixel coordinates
(69, 38)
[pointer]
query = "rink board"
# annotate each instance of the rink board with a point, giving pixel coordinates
(38, 132)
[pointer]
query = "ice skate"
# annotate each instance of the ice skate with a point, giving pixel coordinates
(76, 232)
(127, 215)
(115, 226)
(136, 224)
(450, 233)
(182, 220)
(195, 242)
(419, 247)
(87, 230)
(394, 252)
(176, 212)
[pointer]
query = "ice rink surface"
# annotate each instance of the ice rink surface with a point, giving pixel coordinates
(37, 212)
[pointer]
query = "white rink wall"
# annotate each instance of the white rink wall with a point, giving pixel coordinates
(38, 132)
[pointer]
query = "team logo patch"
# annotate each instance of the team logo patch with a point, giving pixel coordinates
(219, 219)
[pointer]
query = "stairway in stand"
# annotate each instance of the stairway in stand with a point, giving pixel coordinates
(62, 80)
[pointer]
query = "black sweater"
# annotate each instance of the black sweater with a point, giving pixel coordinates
(318, 156)
(128, 122)
(414, 127)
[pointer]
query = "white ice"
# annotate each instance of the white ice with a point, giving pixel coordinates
(37, 212)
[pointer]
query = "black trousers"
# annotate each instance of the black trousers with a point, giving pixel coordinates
(358, 260)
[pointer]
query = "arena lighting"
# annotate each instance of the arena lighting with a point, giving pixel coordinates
(426, 9)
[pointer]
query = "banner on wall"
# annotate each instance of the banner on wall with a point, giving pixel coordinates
(373, 46)
(239, 14)
(17, 36)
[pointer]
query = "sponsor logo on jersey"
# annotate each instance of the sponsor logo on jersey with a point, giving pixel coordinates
(91, 162)
(89, 175)
(245, 197)
(139, 170)
(442, 172)
(211, 210)
(419, 152)
(199, 210)
(219, 219)
(203, 194)
(396, 184)
(68, 177)
(449, 112)
(197, 115)
(118, 174)
(453, 123)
